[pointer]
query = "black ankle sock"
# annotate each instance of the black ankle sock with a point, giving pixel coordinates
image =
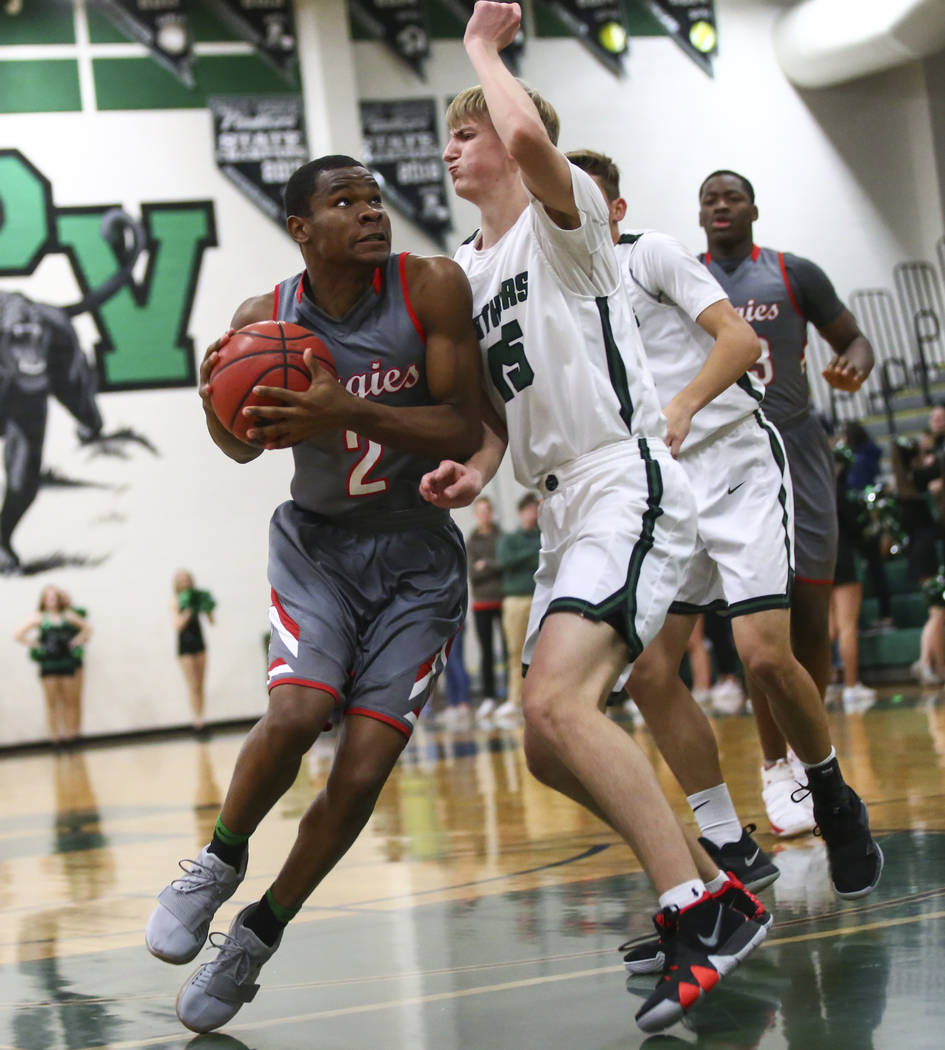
(826, 782)
(229, 853)
(264, 922)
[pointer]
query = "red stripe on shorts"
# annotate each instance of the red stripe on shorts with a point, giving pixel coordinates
(380, 718)
(284, 618)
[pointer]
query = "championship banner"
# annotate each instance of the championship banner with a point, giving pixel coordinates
(511, 55)
(161, 25)
(400, 24)
(600, 25)
(258, 142)
(402, 148)
(269, 25)
(691, 23)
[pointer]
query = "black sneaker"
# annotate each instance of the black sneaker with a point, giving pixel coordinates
(701, 944)
(745, 859)
(647, 954)
(856, 861)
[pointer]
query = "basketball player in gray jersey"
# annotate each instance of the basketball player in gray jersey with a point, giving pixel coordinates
(368, 580)
(778, 295)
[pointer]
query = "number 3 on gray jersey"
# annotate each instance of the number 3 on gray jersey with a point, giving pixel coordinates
(508, 364)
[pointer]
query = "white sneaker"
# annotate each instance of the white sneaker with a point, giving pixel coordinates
(924, 673)
(485, 709)
(215, 992)
(458, 716)
(833, 693)
(728, 697)
(787, 817)
(858, 697)
(703, 697)
(179, 924)
(506, 715)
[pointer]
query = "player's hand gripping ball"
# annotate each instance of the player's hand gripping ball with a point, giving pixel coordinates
(265, 353)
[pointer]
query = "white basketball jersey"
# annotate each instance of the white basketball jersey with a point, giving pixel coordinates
(563, 361)
(669, 288)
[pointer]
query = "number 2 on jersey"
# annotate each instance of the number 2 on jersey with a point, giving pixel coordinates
(508, 364)
(358, 483)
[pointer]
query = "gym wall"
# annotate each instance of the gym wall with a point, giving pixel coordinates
(846, 176)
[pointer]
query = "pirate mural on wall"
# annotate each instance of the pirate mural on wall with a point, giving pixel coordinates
(40, 354)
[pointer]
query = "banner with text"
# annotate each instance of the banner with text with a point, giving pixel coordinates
(691, 23)
(161, 25)
(258, 142)
(268, 25)
(600, 25)
(400, 24)
(511, 55)
(401, 146)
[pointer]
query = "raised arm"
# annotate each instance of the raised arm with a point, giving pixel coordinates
(545, 169)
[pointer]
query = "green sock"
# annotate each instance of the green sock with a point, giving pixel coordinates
(268, 919)
(229, 846)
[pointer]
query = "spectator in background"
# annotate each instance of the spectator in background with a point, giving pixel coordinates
(186, 609)
(861, 472)
(52, 634)
(857, 461)
(485, 578)
(78, 651)
(919, 475)
(728, 693)
(457, 713)
(518, 556)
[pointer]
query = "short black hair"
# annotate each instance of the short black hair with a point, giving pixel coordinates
(301, 184)
(749, 189)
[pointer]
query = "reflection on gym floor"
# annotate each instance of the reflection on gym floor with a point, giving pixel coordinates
(478, 910)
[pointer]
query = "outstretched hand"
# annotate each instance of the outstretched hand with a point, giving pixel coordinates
(451, 485)
(298, 415)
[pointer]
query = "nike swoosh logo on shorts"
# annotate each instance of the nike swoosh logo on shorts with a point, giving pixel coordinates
(738, 486)
(713, 940)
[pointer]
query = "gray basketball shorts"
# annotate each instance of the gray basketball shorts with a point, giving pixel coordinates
(815, 501)
(368, 617)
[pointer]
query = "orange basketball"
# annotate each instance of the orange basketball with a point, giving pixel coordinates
(265, 353)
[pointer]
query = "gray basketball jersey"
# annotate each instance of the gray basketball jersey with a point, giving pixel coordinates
(759, 290)
(380, 353)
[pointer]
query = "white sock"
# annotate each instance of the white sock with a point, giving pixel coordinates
(822, 762)
(714, 885)
(716, 815)
(683, 895)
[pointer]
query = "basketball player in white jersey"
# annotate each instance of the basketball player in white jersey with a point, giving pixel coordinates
(737, 468)
(568, 383)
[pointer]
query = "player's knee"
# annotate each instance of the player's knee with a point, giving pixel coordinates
(293, 721)
(354, 790)
(765, 661)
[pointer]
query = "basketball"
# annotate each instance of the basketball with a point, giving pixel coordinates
(265, 353)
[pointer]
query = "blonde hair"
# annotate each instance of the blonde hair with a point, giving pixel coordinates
(470, 104)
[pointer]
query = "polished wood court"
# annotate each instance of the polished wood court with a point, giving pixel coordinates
(478, 910)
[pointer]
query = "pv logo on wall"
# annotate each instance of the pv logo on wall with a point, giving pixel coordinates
(141, 325)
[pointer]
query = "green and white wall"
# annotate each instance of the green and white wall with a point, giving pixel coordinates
(845, 175)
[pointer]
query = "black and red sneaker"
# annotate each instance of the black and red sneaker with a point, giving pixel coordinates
(646, 955)
(701, 944)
